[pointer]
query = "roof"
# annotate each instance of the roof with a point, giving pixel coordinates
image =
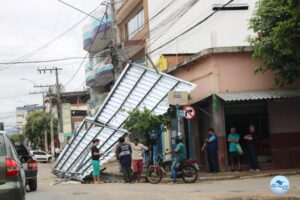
(137, 87)
(206, 52)
(260, 95)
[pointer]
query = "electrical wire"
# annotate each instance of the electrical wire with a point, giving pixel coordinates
(77, 70)
(189, 29)
(28, 55)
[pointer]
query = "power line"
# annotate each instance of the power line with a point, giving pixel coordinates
(191, 28)
(46, 61)
(26, 56)
(77, 70)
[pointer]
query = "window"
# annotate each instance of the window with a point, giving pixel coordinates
(2, 146)
(135, 24)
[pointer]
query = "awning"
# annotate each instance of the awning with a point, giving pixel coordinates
(260, 95)
(137, 87)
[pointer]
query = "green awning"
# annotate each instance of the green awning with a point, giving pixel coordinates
(68, 134)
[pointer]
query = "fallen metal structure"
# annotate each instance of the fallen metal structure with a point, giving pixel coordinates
(137, 87)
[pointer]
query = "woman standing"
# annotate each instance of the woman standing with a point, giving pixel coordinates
(95, 161)
(211, 143)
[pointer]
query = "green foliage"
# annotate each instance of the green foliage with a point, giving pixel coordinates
(36, 122)
(277, 40)
(17, 138)
(143, 121)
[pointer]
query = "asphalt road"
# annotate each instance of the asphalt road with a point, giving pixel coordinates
(257, 188)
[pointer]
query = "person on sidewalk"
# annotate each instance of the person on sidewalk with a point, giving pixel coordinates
(180, 156)
(211, 144)
(96, 154)
(234, 156)
(123, 153)
(251, 147)
(57, 152)
(137, 156)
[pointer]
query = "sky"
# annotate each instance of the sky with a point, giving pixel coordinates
(27, 25)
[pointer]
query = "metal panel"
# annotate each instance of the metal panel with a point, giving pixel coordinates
(137, 87)
(260, 95)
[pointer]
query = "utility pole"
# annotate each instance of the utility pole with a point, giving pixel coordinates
(58, 99)
(45, 129)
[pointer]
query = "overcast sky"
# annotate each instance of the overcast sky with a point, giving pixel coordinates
(26, 25)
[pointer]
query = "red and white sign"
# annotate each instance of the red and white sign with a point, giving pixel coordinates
(189, 112)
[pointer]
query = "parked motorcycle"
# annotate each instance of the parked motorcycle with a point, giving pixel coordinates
(187, 171)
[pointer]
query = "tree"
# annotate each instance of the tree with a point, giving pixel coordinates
(277, 40)
(142, 122)
(36, 122)
(17, 138)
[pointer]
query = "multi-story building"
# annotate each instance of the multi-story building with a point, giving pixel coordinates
(105, 61)
(22, 113)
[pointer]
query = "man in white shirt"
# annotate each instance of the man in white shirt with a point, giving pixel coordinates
(137, 157)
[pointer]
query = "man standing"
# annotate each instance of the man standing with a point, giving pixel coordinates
(57, 152)
(234, 156)
(211, 144)
(251, 147)
(123, 153)
(180, 156)
(137, 156)
(95, 161)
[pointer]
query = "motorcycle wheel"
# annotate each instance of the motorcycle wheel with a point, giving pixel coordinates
(154, 175)
(189, 174)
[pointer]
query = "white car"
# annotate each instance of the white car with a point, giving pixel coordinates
(41, 156)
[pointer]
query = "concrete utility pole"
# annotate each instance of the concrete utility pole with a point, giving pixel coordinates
(45, 129)
(57, 85)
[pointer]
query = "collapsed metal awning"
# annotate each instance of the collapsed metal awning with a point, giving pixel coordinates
(136, 88)
(260, 95)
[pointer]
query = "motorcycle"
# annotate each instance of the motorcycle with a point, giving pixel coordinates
(187, 171)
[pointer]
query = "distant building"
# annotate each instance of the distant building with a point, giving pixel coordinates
(22, 113)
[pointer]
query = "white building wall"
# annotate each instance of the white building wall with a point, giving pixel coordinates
(225, 28)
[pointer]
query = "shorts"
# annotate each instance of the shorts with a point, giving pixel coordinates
(137, 166)
(234, 157)
(96, 167)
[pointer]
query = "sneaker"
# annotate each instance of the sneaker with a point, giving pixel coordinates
(257, 170)
(251, 170)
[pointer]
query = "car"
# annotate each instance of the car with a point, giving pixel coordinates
(12, 175)
(29, 164)
(41, 156)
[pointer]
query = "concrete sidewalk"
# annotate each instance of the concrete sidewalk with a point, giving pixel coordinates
(112, 174)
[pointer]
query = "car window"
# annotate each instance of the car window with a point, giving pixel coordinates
(43, 153)
(21, 150)
(2, 146)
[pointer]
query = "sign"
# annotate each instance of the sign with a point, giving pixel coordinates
(181, 113)
(66, 112)
(189, 112)
(61, 137)
(178, 97)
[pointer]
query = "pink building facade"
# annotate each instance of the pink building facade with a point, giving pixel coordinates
(229, 94)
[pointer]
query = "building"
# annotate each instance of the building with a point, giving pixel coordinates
(75, 109)
(22, 113)
(229, 94)
(182, 27)
(106, 61)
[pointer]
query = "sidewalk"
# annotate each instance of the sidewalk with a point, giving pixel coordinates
(113, 174)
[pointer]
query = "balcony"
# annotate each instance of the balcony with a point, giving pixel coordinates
(101, 73)
(97, 35)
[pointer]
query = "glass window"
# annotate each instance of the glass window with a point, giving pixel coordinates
(2, 146)
(135, 24)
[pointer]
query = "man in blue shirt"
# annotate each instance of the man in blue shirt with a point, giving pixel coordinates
(234, 156)
(211, 144)
(123, 153)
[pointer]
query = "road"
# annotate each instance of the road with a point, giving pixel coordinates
(257, 188)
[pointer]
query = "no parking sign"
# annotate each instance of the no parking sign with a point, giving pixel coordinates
(189, 112)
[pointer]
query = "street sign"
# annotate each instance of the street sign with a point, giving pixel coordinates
(178, 97)
(181, 113)
(61, 137)
(189, 112)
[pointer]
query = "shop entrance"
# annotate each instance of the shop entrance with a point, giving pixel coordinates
(240, 115)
